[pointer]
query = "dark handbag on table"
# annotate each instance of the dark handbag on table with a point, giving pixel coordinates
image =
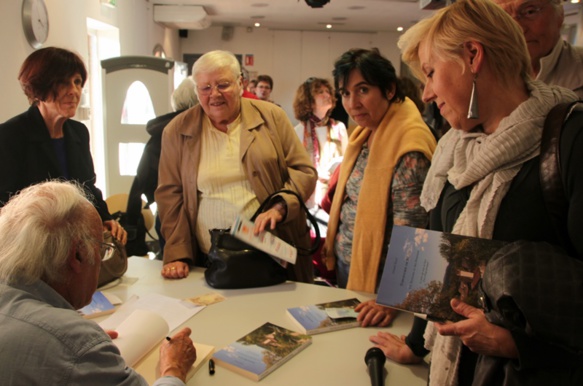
(115, 267)
(234, 264)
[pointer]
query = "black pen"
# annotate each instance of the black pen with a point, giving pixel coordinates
(168, 339)
(211, 367)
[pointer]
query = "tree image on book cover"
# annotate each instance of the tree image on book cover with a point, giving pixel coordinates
(258, 353)
(432, 268)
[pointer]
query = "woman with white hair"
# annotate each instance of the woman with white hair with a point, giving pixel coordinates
(224, 157)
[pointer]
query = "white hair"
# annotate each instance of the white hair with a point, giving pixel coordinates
(216, 60)
(184, 96)
(38, 228)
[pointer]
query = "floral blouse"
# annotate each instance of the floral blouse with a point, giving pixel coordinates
(404, 207)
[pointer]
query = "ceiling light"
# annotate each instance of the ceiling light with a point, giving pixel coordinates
(329, 26)
(257, 24)
(317, 3)
(399, 29)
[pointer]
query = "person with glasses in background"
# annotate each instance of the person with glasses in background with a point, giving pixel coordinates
(553, 60)
(51, 251)
(223, 158)
(264, 88)
(324, 138)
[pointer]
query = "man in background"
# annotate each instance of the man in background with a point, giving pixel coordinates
(51, 248)
(264, 88)
(553, 60)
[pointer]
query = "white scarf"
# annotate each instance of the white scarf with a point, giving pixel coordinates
(489, 163)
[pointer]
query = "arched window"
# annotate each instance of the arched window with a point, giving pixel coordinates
(137, 107)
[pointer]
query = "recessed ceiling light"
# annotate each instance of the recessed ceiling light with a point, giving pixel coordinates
(329, 26)
(257, 24)
(399, 29)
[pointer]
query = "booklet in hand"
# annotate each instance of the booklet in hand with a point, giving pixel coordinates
(425, 269)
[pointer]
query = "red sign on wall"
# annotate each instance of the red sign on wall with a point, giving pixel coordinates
(248, 60)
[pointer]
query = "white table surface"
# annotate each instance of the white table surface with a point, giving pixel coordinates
(333, 358)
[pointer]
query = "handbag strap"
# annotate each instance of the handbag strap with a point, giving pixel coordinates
(554, 196)
(316, 244)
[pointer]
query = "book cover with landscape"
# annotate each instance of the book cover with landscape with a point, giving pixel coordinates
(425, 269)
(263, 350)
(99, 306)
(316, 318)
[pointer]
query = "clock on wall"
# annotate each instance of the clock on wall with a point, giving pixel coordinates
(35, 22)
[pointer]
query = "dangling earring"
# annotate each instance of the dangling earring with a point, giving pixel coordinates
(473, 110)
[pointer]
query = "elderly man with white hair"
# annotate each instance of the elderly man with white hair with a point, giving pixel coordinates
(51, 249)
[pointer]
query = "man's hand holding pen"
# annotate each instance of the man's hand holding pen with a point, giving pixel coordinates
(177, 354)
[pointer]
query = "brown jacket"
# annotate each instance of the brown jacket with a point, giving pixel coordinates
(273, 159)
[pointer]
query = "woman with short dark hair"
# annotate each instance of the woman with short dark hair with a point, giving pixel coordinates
(44, 142)
(381, 175)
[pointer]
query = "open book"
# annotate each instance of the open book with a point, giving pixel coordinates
(262, 351)
(139, 340)
(425, 269)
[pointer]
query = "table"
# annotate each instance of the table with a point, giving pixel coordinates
(334, 358)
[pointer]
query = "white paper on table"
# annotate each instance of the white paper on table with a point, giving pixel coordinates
(138, 334)
(173, 311)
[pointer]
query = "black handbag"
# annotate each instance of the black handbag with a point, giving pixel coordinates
(234, 264)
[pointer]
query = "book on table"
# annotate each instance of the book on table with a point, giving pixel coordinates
(262, 351)
(100, 305)
(425, 269)
(139, 339)
(325, 317)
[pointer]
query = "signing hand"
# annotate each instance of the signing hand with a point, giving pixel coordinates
(478, 334)
(372, 314)
(175, 270)
(395, 348)
(177, 355)
(116, 230)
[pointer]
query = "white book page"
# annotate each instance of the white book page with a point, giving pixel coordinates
(174, 311)
(138, 334)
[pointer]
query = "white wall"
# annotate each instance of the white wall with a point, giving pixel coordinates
(290, 57)
(68, 29)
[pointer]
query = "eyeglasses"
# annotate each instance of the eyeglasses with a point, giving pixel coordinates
(529, 11)
(208, 89)
(107, 251)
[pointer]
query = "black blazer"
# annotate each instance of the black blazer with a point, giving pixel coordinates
(27, 157)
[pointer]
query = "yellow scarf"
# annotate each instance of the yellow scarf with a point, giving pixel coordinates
(401, 131)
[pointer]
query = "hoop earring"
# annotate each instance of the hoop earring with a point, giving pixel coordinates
(473, 110)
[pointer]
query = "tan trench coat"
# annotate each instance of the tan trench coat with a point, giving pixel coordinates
(273, 158)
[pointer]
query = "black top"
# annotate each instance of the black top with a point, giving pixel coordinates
(28, 156)
(523, 216)
(146, 179)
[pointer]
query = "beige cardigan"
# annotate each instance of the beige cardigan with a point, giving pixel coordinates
(401, 131)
